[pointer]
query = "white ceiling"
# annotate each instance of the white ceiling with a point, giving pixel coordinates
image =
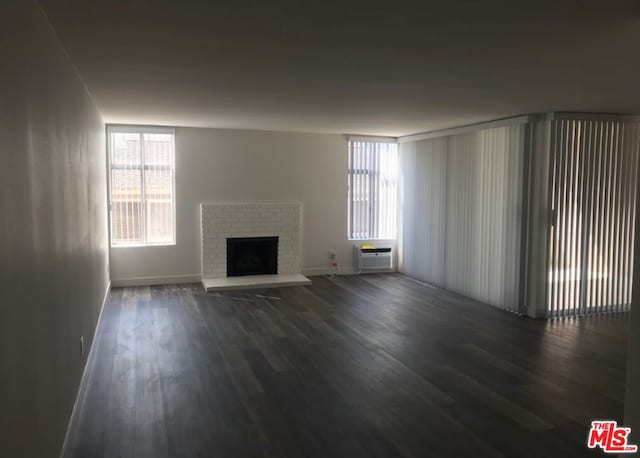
(350, 67)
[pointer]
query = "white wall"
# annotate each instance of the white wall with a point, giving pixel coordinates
(53, 239)
(221, 165)
(461, 204)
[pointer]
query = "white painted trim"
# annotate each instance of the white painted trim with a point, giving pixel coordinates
(136, 129)
(468, 128)
(251, 202)
(83, 378)
(364, 138)
(149, 281)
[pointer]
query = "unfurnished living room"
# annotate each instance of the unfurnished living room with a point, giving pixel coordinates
(319, 229)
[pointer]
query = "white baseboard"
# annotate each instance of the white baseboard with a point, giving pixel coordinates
(83, 378)
(149, 281)
(316, 271)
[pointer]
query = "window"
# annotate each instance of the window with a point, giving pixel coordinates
(141, 185)
(373, 170)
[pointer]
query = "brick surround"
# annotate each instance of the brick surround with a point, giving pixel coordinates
(220, 221)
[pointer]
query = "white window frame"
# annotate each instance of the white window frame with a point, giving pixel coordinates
(141, 130)
(371, 215)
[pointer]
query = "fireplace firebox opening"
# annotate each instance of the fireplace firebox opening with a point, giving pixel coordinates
(252, 256)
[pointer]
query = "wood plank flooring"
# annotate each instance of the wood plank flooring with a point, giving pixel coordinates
(371, 365)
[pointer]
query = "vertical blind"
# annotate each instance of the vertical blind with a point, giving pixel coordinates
(593, 178)
(373, 171)
(141, 166)
(461, 204)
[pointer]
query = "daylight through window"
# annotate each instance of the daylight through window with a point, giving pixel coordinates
(373, 170)
(141, 184)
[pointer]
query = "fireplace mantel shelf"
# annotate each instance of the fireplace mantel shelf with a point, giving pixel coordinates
(254, 282)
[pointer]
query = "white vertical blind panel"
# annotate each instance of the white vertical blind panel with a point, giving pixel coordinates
(537, 243)
(407, 202)
(461, 207)
(594, 167)
(429, 196)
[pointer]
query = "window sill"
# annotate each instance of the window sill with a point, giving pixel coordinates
(373, 240)
(144, 245)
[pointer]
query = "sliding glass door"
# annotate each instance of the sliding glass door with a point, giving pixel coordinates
(593, 178)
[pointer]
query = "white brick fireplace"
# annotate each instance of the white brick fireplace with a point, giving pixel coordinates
(220, 221)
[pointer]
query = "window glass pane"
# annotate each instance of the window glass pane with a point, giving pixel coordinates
(125, 148)
(373, 170)
(158, 160)
(126, 206)
(158, 149)
(142, 187)
(159, 206)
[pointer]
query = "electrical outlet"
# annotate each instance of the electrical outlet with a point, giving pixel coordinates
(332, 255)
(82, 345)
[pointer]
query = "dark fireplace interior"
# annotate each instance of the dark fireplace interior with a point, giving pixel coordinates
(252, 256)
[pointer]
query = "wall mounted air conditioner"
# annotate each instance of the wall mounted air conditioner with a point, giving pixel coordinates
(373, 259)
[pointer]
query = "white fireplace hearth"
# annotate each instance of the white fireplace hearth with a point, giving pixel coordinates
(222, 221)
(254, 282)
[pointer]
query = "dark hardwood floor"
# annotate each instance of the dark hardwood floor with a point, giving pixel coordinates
(375, 365)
